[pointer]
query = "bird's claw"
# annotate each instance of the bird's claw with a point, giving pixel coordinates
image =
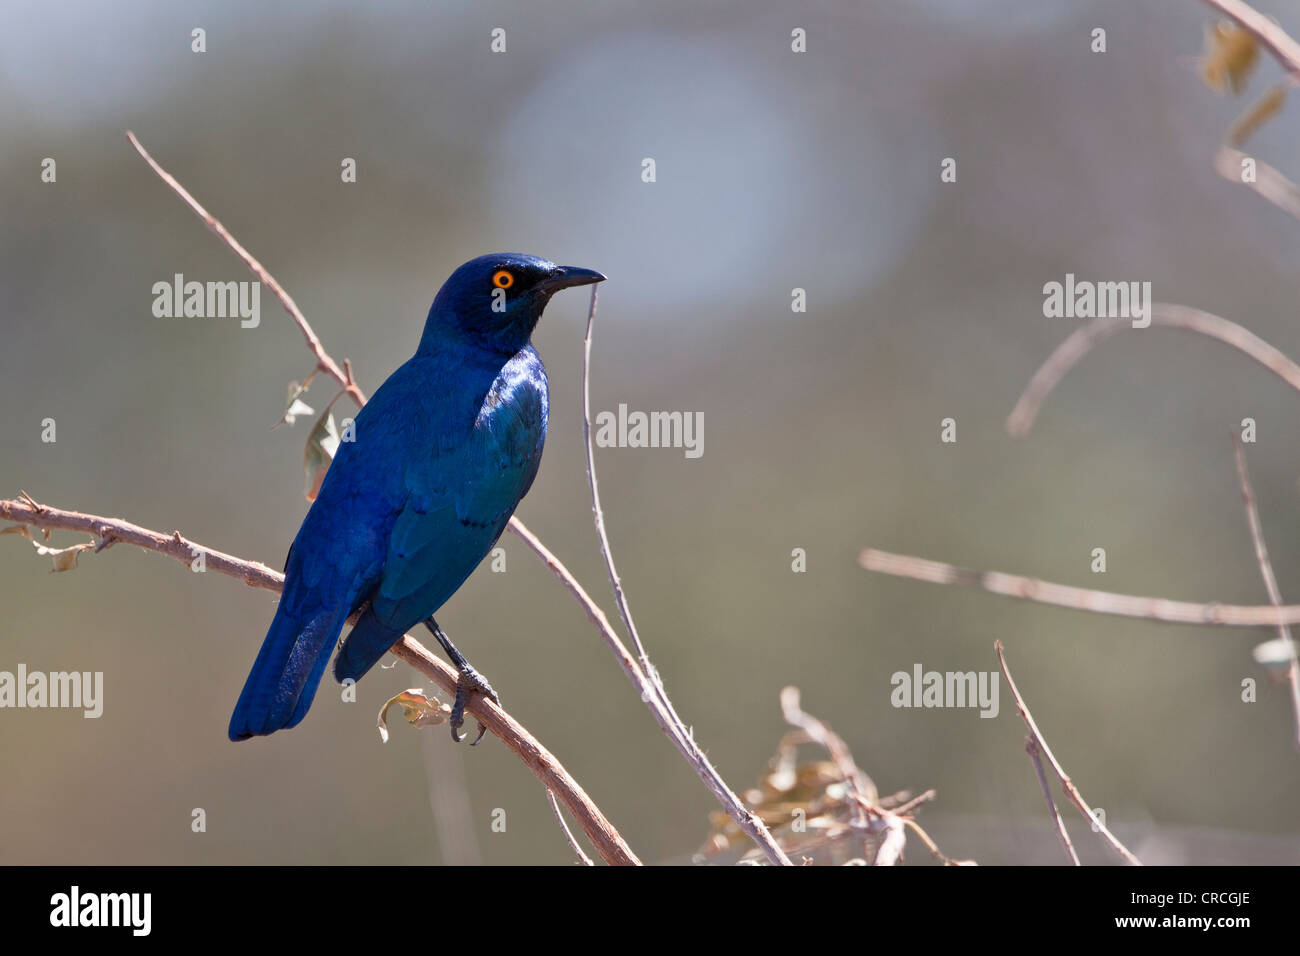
(470, 682)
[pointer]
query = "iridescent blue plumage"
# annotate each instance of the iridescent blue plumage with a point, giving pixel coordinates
(443, 452)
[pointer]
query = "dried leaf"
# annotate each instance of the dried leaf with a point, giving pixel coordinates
(1230, 56)
(293, 405)
(322, 443)
(823, 811)
(418, 710)
(1269, 105)
(299, 407)
(65, 559)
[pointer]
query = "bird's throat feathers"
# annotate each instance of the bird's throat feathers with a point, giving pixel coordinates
(502, 333)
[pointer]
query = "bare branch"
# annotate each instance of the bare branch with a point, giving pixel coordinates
(891, 848)
(1036, 755)
(598, 515)
(1266, 571)
(1081, 341)
(568, 834)
(1079, 599)
(793, 713)
(323, 360)
(537, 758)
(1270, 183)
(1067, 785)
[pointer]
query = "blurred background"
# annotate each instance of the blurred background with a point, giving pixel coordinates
(775, 170)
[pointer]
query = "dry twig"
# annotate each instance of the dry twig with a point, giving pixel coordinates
(1036, 755)
(1067, 785)
(1081, 340)
(1080, 599)
(568, 834)
(1266, 571)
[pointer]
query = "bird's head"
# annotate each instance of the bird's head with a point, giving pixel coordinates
(496, 300)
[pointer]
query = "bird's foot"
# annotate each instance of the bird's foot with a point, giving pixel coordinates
(470, 682)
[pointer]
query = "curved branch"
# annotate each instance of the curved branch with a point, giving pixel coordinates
(1269, 182)
(537, 758)
(1080, 342)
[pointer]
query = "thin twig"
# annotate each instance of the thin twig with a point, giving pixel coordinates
(890, 851)
(1036, 755)
(910, 804)
(1269, 182)
(1266, 572)
(1082, 339)
(537, 758)
(592, 609)
(861, 787)
(606, 552)
(1067, 785)
(1080, 599)
(568, 834)
(932, 846)
(817, 732)
(323, 360)
(658, 699)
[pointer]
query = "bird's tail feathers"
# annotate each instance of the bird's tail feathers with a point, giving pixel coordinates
(288, 669)
(366, 643)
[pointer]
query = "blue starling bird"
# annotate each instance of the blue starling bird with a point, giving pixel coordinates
(442, 454)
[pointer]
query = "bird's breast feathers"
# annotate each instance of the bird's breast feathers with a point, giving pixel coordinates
(518, 398)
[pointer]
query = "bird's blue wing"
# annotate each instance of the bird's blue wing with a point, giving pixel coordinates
(457, 504)
(337, 555)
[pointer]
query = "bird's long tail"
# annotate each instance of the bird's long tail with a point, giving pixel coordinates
(368, 641)
(287, 671)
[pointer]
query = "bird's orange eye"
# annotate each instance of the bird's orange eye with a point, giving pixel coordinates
(503, 279)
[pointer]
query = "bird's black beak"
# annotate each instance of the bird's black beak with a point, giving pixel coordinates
(565, 276)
